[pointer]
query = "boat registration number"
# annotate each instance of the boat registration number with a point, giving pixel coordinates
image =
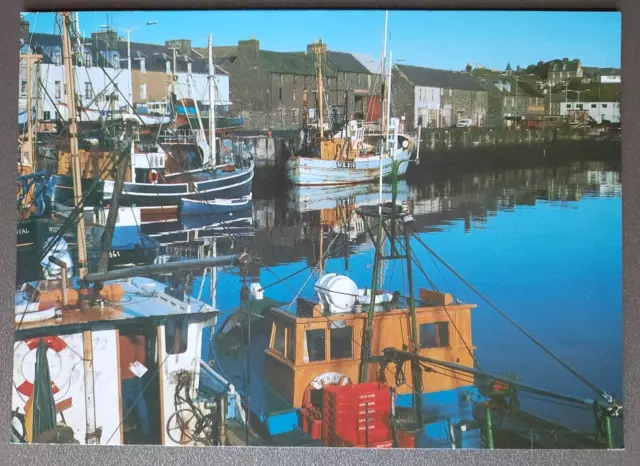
(344, 164)
(114, 254)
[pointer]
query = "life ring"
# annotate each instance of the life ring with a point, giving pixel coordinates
(320, 381)
(154, 177)
(53, 343)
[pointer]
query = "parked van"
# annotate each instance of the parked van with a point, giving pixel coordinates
(464, 123)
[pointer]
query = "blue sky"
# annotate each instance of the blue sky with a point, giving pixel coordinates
(438, 39)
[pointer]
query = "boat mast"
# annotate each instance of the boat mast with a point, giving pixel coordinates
(382, 88)
(317, 49)
(73, 142)
(212, 108)
(30, 59)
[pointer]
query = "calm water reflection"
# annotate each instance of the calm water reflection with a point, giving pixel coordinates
(544, 244)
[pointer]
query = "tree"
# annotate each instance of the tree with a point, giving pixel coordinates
(469, 68)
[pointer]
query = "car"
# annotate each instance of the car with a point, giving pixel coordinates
(464, 123)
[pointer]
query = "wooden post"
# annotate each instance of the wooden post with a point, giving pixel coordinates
(92, 436)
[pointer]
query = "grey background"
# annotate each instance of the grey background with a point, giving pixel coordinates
(138, 455)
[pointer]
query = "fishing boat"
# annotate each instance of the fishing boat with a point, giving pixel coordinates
(166, 172)
(352, 155)
(350, 365)
(83, 321)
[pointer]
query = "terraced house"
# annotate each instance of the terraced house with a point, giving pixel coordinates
(153, 70)
(437, 98)
(277, 90)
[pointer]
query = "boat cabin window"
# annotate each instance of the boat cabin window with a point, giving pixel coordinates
(291, 347)
(176, 335)
(341, 341)
(281, 334)
(434, 335)
(279, 339)
(316, 345)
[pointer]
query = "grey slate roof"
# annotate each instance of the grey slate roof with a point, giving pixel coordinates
(565, 65)
(429, 77)
(346, 62)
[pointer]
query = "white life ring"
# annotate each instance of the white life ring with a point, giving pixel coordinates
(59, 376)
(322, 380)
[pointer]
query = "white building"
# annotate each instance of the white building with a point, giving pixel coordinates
(599, 111)
(92, 84)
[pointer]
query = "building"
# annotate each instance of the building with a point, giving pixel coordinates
(277, 89)
(602, 75)
(600, 112)
(152, 70)
(511, 100)
(437, 98)
(94, 86)
(565, 69)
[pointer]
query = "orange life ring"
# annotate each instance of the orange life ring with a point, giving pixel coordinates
(53, 343)
(154, 177)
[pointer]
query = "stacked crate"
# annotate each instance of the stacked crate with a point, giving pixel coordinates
(357, 415)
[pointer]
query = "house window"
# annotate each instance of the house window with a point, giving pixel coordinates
(294, 95)
(450, 92)
(46, 115)
(434, 335)
(88, 92)
(143, 65)
(281, 79)
(304, 95)
(280, 93)
(579, 106)
(604, 105)
(316, 345)
(281, 112)
(594, 105)
(568, 105)
(58, 90)
(294, 115)
(176, 335)
(341, 341)
(143, 91)
(23, 88)
(295, 79)
(279, 339)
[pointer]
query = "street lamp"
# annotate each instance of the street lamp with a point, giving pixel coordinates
(128, 31)
(579, 92)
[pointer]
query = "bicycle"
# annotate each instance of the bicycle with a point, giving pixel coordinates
(191, 424)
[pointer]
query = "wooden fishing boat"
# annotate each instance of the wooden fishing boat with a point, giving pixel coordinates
(88, 321)
(352, 155)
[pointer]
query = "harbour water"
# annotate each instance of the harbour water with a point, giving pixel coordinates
(543, 244)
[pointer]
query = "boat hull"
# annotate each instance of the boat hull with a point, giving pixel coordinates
(208, 187)
(307, 171)
(215, 206)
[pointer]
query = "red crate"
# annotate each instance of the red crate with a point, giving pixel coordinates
(380, 444)
(315, 428)
(406, 439)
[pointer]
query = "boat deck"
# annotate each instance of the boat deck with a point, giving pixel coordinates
(143, 298)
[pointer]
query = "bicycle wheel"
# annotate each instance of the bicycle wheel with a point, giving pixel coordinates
(204, 431)
(181, 426)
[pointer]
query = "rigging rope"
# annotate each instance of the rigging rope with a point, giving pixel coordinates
(597, 390)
